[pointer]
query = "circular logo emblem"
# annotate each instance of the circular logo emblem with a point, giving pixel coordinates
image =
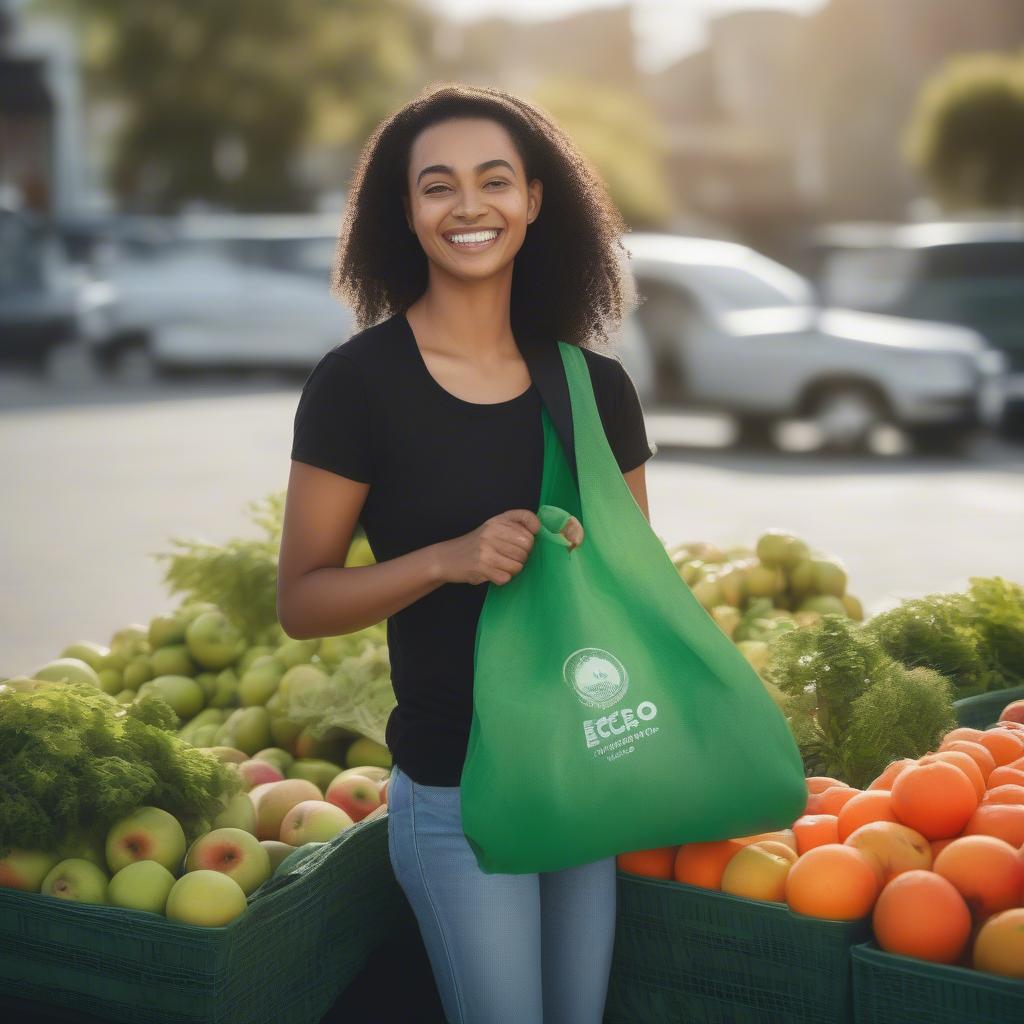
(597, 676)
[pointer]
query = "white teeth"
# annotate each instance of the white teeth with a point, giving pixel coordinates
(476, 236)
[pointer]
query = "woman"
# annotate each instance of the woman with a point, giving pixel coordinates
(471, 219)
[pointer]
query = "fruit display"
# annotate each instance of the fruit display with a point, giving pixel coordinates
(931, 851)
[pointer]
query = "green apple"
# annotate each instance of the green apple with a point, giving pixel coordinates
(143, 885)
(226, 690)
(203, 736)
(110, 680)
(233, 852)
(246, 729)
(277, 851)
(185, 695)
(313, 821)
(77, 880)
(260, 681)
(365, 751)
(138, 671)
(320, 773)
(172, 660)
(203, 897)
(276, 756)
(239, 812)
(254, 652)
(26, 869)
(68, 670)
(214, 641)
(167, 628)
(89, 651)
(296, 652)
(149, 833)
(274, 800)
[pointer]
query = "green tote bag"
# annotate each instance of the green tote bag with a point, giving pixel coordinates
(610, 711)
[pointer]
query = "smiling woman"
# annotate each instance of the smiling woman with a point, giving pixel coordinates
(474, 228)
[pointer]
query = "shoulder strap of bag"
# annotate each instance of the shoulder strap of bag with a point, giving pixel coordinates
(547, 371)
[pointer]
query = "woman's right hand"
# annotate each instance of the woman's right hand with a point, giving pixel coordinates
(493, 552)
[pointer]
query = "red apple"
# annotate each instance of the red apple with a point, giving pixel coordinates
(356, 795)
(256, 773)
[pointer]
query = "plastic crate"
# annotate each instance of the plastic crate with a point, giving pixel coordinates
(893, 989)
(684, 953)
(983, 709)
(301, 940)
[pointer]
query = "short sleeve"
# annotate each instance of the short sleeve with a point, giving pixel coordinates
(629, 441)
(332, 427)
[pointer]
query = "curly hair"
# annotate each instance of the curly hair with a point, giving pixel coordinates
(569, 280)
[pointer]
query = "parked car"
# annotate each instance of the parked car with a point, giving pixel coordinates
(730, 330)
(52, 312)
(969, 273)
(227, 292)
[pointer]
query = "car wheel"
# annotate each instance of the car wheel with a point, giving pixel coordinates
(846, 415)
(133, 364)
(754, 431)
(69, 363)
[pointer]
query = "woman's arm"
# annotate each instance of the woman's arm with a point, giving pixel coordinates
(637, 482)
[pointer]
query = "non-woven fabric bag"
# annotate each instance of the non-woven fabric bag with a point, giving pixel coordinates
(610, 711)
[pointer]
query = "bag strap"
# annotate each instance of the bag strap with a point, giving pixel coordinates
(547, 371)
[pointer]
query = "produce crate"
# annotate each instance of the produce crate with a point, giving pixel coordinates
(302, 939)
(684, 953)
(893, 989)
(982, 710)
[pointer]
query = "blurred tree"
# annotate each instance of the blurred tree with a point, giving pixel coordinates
(966, 135)
(623, 140)
(222, 100)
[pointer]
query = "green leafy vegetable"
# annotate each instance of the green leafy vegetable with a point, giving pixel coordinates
(73, 761)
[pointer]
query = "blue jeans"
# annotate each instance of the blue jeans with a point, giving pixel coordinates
(504, 949)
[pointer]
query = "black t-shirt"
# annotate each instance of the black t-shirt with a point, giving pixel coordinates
(438, 466)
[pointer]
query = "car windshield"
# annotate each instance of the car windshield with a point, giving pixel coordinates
(757, 283)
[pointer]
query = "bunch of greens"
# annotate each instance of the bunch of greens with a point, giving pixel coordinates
(73, 761)
(976, 639)
(356, 697)
(852, 707)
(239, 577)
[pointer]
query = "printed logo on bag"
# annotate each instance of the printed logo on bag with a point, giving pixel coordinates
(599, 680)
(597, 676)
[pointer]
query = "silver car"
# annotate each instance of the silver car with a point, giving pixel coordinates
(727, 329)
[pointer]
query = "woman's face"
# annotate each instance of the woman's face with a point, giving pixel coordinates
(465, 176)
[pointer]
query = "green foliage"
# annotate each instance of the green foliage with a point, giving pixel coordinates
(966, 134)
(240, 576)
(73, 762)
(852, 707)
(977, 638)
(220, 99)
(356, 697)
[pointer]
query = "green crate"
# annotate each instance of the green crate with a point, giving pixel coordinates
(983, 709)
(302, 939)
(684, 953)
(893, 989)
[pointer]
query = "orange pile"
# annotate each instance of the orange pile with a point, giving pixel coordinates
(933, 850)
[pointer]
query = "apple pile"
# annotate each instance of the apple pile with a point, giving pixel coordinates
(932, 850)
(229, 690)
(145, 865)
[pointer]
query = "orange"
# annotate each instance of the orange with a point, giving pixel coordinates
(819, 783)
(999, 946)
(935, 799)
(986, 871)
(920, 913)
(833, 881)
(982, 755)
(1006, 775)
(964, 732)
(1004, 745)
(656, 863)
(938, 845)
(813, 830)
(891, 770)
(1011, 793)
(964, 762)
(832, 800)
(871, 805)
(1005, 821)
(703, 863)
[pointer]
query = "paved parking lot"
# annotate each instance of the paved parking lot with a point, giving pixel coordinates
(98, 479)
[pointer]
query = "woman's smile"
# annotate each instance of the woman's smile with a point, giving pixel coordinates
(473, 241)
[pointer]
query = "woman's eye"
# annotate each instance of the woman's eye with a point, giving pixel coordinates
(431, 190)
